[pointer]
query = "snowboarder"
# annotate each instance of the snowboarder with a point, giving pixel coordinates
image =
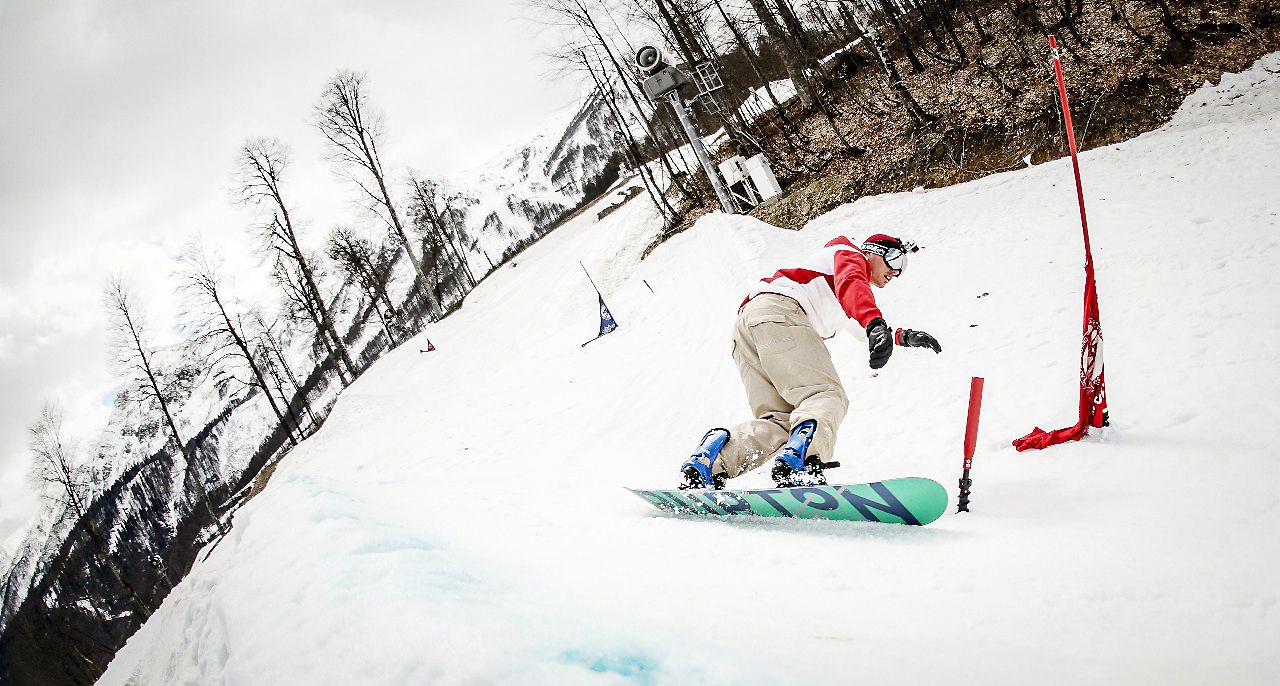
(791, 383)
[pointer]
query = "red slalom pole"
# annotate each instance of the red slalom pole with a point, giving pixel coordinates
(1093, 394)
(970, 440)
(1071, 140)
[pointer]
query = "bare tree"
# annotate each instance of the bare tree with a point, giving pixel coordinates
(303, 309)
(353, 128)
(135, 358)
(741, 127)
(791, 133)
(890, 14)
(942, 11)
(678, 30)
(359, 259)
(271, 353)
(224, 331)
(442, 235)
(575, 16)
(259, 182)
(74, 577)
(18, 570)
(685, 25)
(792, 60)
(66, 487)
(629, 142)
(433, 222)
(905, 99)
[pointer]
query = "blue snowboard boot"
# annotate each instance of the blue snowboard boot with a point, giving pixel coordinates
(793, 465)
(697, 469)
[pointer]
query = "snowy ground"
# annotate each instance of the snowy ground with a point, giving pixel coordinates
(461, 518)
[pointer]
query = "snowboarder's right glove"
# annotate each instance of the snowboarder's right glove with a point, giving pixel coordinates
(879, 342)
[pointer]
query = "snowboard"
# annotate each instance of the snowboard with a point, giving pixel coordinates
(911, 500)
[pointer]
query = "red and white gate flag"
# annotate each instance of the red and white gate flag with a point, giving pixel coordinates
(1093, 394)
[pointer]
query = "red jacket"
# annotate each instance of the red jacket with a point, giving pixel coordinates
(833, 286)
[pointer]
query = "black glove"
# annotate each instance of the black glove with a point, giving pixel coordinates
(916, 339)
(879, 342)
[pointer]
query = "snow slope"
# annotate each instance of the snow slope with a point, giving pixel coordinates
(460, 519)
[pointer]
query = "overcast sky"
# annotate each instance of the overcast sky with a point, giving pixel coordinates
(120, 121)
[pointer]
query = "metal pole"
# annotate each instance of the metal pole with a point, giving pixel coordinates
(593, 281)
(700, 151)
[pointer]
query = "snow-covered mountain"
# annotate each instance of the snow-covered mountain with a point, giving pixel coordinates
(527, 188)
(460, 517)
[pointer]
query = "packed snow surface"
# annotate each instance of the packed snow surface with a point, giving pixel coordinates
(461, 517)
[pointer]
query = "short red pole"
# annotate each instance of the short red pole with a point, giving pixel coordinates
(970, 440)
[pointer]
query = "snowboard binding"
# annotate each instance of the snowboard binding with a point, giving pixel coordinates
(692, 480)
(793, 466)
(696, 471)
(811, 475)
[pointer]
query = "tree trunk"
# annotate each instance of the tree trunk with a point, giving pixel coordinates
(939, 44)
(154, 383)
(192, 470)
(243, 347)
(321, 311)
(895, 79)
(404, 237)
(790, 132)
(948, 24)
(626, 82)
(791, 61)
(903, 39)
(104, 553)
(983, 36)
(274, 346)
(682, 42)
(83, 590)
(646, 176)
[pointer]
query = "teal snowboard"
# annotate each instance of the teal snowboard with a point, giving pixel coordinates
(911, 500)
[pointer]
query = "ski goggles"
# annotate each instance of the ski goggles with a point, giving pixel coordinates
(895, 257)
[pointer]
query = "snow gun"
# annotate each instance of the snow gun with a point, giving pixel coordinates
(970, 440)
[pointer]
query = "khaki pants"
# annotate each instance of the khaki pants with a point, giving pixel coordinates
(789, 378)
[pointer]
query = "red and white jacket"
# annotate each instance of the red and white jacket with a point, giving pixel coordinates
(833, 286)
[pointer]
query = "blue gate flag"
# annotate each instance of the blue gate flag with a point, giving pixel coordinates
(607, 323)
